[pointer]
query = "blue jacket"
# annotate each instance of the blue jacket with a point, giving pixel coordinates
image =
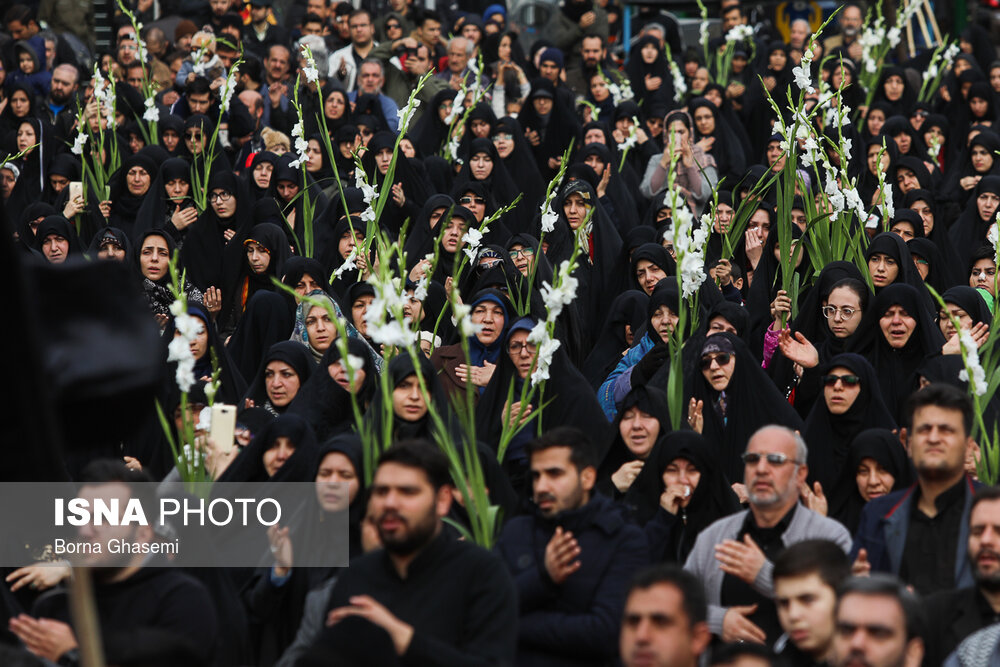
(882, 533)
(575, 623)
(619, 382)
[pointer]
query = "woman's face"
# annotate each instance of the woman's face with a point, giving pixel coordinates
(893, 88)
(338, 373)
(841, 388)
(594, 136)
(704, 121)
(649, 53)
(445, 110)
(358, 311)
(490, 317)
(154, 257)
(897, 326)
(933, 135)
(198, 346)
(137, 179)
(523, 257)
(334, 106)
(335, 473)
(717, 369)
(110, 250)
(407, 400)
(306, 285)
(648, 275)
(350, 241)
(987, 204)
(978, 106)
(281, 382)
(136, 143)
(287, 190)
(475, 203)
(884, 269)
(903, 229)
(407, 148)
(347, 148)
(944, 319)
(760, 220)
(639, 431)
(599, 88)
(875, 163)
(223, 203)
(314, 154)
(543, 105)
(596, 163)
(873, 480)
(177, 189)
(170, 139)
(26, 136)
(504, 143)
(843, 312)
(575, 209)
(797, 256)
(413, 307)
(383, 159)
(19, 104)
(683, 472)
(258, 257)
(995, 78)
(481, 166)
(982, 160)
(926, 214)
(278, 454)
(903, 142)
(680, 132)
(663, 322)
(262, 174)
(453, 234)
(777, 60)
(983, 275)
(504, 49)
(522, 352)
(320, 328)
(775, 156)
(875, 121)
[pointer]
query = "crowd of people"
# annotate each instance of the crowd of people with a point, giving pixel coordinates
(819, 502)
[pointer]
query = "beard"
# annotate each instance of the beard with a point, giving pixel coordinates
(59, 98)
(412, 538)
(989, 581)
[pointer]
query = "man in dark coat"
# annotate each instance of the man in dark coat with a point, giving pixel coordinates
(425, 598)
(959, 613)
(571, 561)
(921, 533)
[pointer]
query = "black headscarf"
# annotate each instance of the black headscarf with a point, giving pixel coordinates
(247, 283)
(827, 435)
(521, 165)
(156, 208)
(429, 133)
(60, 226)
(971, 301)
(259, 158)
(970, 230)
(400, 368)
(711, 500)
(883, 446)
(249, 464)
(649, 400)
(290, 352)
(894, 246)
(267, 320)
(233, 386)
(124, 204)
(628, 308)
(637, 71)
(656, 254)
(109, 234)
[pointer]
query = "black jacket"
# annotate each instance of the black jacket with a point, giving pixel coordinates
(457, 596)
(953, 616)
(575, 623)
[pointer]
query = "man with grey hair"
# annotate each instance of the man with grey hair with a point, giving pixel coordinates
(371, 78)
(798, 34)
(734, 556)
(460, 54)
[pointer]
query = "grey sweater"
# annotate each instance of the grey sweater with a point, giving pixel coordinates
(805, 525)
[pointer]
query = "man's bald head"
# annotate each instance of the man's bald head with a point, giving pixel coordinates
(253, 101)
(64, 84)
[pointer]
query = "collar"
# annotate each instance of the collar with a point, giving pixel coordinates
(750, 522)
(424, 560)
(954, 494)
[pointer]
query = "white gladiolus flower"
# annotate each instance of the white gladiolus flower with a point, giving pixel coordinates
(456, 107)
(152, 114)
(227, 90)
(703, 33)
(79, 143)
(463, 319)
(473, 237)
(310, 71)
(970, 353)
(802, 79)
(420, 292)
(393, 333)
(993, 236)
(453, 151)
(739, 33)
(349, 263)
(680, 86)
(549, 218)
(301, 146)
(893, 36)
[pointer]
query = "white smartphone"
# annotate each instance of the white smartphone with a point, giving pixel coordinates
(223, 426)
(75, 189)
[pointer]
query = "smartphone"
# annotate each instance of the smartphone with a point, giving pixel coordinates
(223, 426)
(75, 189)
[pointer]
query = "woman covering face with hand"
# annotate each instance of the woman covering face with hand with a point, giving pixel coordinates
(643, 417)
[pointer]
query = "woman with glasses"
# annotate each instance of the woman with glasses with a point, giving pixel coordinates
(485, 166)
(851, 402)
(214, 246)
(731, 397)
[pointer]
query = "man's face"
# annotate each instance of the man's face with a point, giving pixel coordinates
(656, 630)
(806, 607)
(871, 632)
(769, 484)
(199, 102)
(938, 442)
(19, 31)
(731, 19)
(851, 20)
(592, 52)
(457, 57)
(277, 64)
(370, 78)
(63, 86)
(430, 32)
(127, 52)
(984, 543)
(557, 484)
(219, 7)
(405, 507)
(361, 29)
(420, 62)
(317, 7)
(549, 70)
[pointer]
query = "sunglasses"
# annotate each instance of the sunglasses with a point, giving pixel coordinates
(849, 380)
(470, 200)
(721, 359)
(192, 135)
(774, 458)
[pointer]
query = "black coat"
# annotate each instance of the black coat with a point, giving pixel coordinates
(575, 623)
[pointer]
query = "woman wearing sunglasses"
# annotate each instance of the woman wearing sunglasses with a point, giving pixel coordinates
(731, 397)
(852, 402)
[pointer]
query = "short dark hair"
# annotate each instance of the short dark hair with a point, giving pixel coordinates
(881, 584)
(20, 13)
(984, 494)
(429, 15)
(106, 471)
(421, 454)
(198, 86)
(691, 588)
(731, 8)
(855, 286)
(943, 396)
(728, 654)
(360, 12)
(253, 68)
(821, 557)
(312, 18)
(582, 453)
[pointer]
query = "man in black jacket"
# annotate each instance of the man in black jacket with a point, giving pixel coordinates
(571, 561)
(426, 598)
(956, 614)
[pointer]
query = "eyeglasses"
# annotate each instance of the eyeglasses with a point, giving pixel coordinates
(515, 347)
(523, 252)
(848, 380)
(503, 136)
(830, 312)
(192, 135)
(773, 458)
(722, 359)
(471, 200)
(392, 26)
(219, 196)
